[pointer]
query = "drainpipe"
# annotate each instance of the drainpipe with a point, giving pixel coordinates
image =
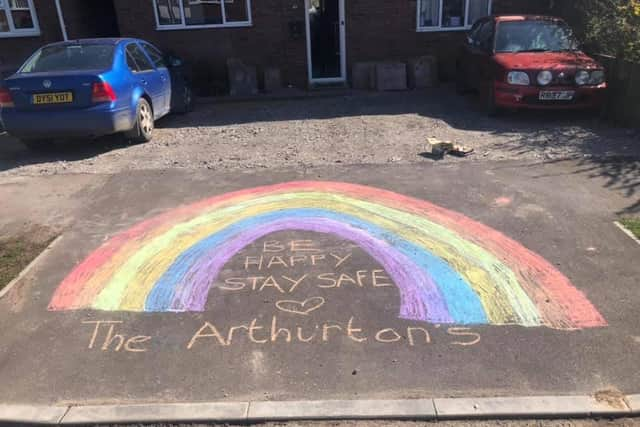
(63, 27)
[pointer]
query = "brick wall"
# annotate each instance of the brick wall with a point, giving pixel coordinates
(376, 30)
(14, 51)
(265, 43)
(83, 18)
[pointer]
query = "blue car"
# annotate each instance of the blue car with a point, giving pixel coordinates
(91, 88)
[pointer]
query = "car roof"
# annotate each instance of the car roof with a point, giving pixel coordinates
(506, 18)
(104, 40)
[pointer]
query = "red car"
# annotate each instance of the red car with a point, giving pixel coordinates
(518, 62)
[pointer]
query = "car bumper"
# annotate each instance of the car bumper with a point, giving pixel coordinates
(509, 96)
(70, 123)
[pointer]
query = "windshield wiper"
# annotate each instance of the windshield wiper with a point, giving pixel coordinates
(533, 50)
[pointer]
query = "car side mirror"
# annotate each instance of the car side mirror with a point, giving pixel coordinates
(174, 62)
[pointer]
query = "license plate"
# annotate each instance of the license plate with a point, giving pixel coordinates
(53, 98)
(563, 95)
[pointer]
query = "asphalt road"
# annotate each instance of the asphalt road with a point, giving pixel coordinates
(302, 304)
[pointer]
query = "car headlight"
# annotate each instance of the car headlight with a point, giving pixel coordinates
(544, 77)
(597, 77)
(582, 78)
(518, 78)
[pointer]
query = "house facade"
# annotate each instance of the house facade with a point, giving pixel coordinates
(309, 41)
(26, 25)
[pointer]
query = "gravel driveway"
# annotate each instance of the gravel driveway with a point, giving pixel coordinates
(374, 128)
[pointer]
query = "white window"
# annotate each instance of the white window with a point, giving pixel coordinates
(18, 19)
(450, 15)
(188, 14)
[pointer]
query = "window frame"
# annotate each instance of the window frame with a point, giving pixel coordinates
(439, 28)
(24, 32)
(183, 25)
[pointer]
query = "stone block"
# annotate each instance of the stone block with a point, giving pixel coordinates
(391, 76)
(243, 79)
(422, 72)
(272, 79)
(363, 75)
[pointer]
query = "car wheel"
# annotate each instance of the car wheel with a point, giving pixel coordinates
(38, 144)
(185, 104)
(143, 129)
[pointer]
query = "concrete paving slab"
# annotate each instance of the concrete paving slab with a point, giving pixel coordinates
(31, 414)
(298, 313)
(634, 403)
(421, 409)
(179, 412)
(525, 407)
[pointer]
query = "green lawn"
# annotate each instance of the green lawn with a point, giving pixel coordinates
(632, 224)
(15, 255)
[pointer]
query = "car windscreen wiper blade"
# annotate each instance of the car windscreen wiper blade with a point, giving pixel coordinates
(533, 50)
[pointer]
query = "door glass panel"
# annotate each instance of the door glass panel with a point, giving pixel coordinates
(324, 34)
(202, 12)
(139, 57)
(236, 10)
(155, 55)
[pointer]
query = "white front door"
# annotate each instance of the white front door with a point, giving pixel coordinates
(326, 48)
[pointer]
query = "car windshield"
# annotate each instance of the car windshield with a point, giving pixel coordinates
(70, 58)
(534, 36)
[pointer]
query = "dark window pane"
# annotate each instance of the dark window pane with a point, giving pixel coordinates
(169, 12)
(477, 9)
(429, 13)
(70, 57)
(202, 12)
(236, 10)
(139, 57)
(453, 13)
(131, 63)
(155, 56)
(4, 24)
(21, 14)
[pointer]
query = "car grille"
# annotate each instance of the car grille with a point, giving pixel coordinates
(564, 78)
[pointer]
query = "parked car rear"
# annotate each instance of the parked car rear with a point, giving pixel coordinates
(88, 88)
(529, 62)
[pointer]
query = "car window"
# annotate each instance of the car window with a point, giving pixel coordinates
(131, 63)
(135, 54)
(535, 36)
(69, 58)
(155, 55)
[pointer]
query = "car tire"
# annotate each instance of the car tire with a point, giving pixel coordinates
(143, 129)
(38, 144)
(187, 99)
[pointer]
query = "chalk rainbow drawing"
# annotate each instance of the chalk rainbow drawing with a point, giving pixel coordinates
(448, 268)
